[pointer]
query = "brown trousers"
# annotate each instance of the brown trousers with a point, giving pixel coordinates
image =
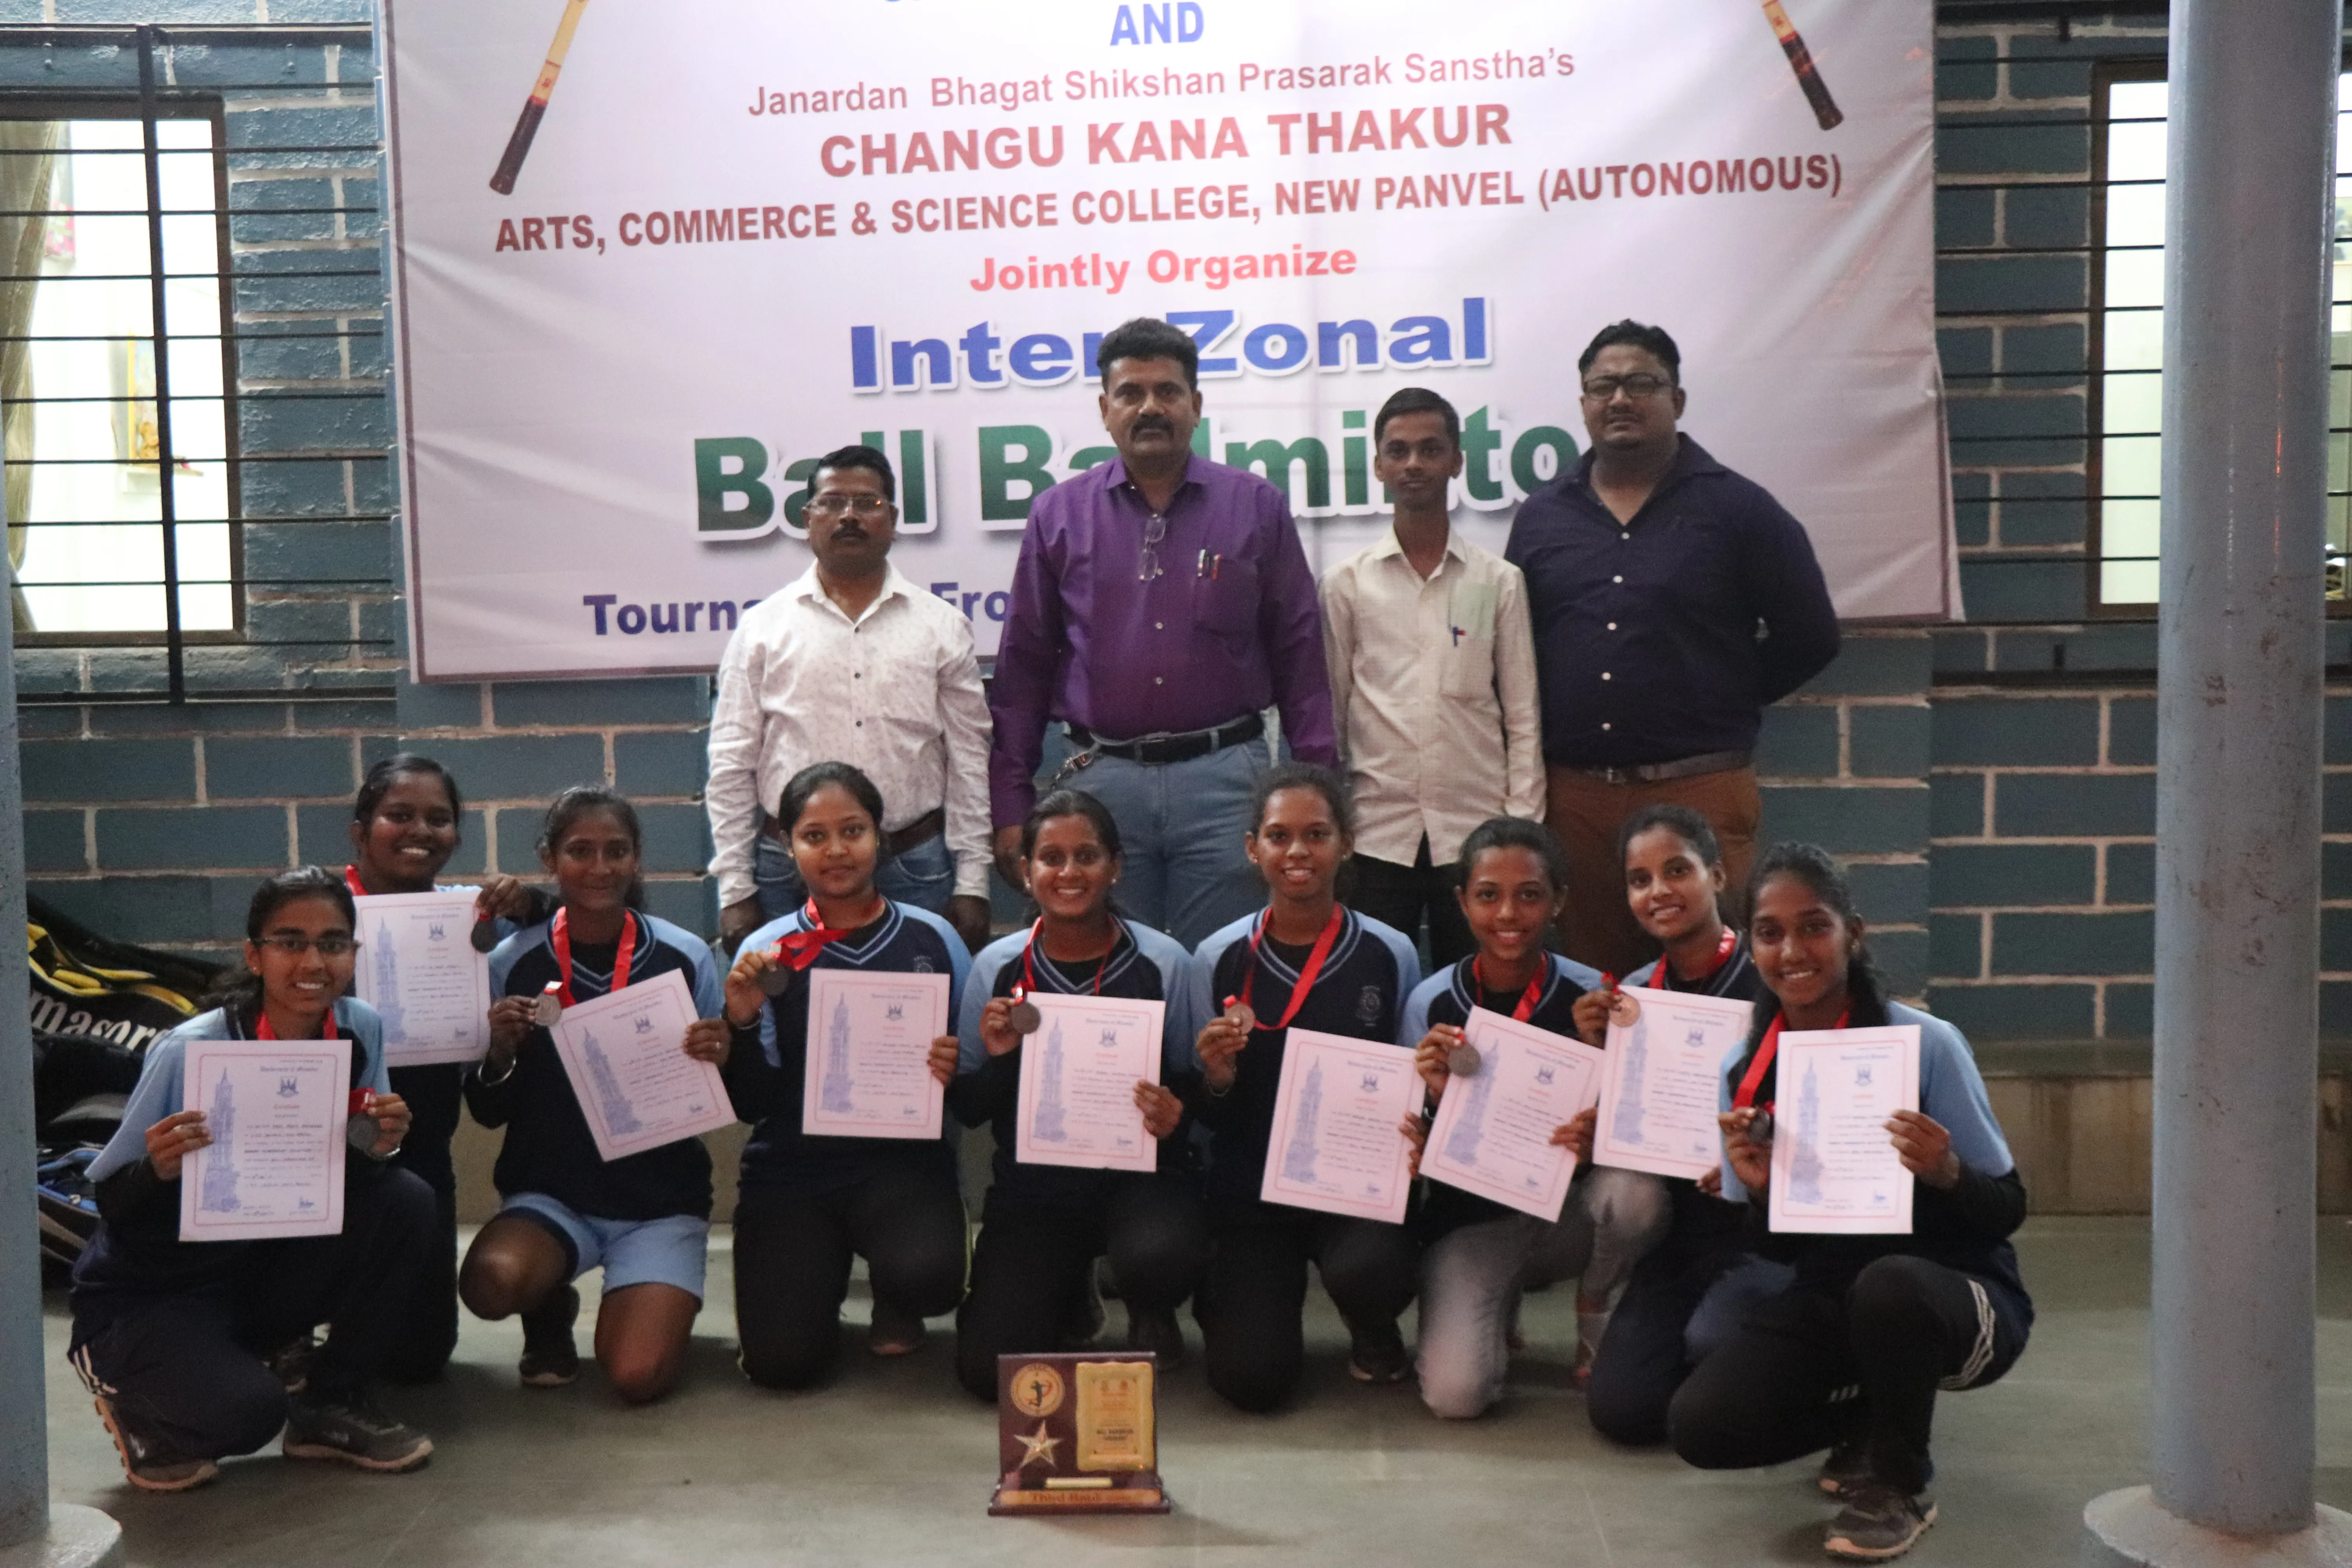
(1597, 928)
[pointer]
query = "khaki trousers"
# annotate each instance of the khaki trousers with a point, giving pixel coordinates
(1597, 928)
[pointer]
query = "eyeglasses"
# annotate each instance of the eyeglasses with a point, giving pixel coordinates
(1601, 388)
(296, 946)
(1147, 566)
(834, 506)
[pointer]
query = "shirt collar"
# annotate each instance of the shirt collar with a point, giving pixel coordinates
(1387, 545)
(1690, 459)
(1115, 477)
(894, 585)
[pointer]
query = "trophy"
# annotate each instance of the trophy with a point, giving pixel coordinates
(1075, 1434)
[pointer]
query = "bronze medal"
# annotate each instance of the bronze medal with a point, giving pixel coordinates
(1623, 1009)
(1241, 1013)
(1464, 1061)
(1024, 1017)
(776, 979)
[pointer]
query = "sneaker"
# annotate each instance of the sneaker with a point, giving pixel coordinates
(894, 1332)
(1846, 1470)
(1878, 1522)
(146, 1463)
(290, 1362)
(354, 1432)
(1156, 1332)
(1378, 1355)
(550, 1359)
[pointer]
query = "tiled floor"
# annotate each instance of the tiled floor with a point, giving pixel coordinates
(892, 1464)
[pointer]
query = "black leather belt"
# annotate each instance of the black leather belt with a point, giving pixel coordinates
(1176, 748)
(1658, 773)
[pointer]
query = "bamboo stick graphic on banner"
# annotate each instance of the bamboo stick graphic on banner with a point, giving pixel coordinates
(535, 108)
(1800, 60)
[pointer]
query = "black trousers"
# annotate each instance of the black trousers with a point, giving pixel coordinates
(185, 1371)
(429, 1335)
(1030, 1267)
(1255, 1289)
(1644, 1357)
(1812, 1368)
(1400, 895)
(793, 1254)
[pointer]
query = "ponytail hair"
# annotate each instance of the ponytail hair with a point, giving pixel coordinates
(237, 989)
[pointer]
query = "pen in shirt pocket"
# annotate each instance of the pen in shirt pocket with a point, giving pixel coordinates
(1210, 566)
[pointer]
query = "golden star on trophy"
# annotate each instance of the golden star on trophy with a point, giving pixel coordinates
(1038, 1447)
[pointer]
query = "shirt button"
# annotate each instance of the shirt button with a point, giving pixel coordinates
(1158, 625)
(1604, 675)
(1612, 625)
(1616, 579)
(1604, 727)
(1159, 681)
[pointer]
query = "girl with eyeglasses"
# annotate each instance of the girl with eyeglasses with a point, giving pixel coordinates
(1044, 1226)
(171, 1336)
(644, 1218)
(405, 825)
(809, 1205)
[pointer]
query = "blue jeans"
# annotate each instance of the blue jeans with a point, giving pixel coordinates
(923, 877)
(1180, 827)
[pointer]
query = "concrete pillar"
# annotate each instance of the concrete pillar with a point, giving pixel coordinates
(2250, 213)
(31, 1530)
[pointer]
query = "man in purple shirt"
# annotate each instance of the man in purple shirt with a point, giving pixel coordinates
(1161, 604)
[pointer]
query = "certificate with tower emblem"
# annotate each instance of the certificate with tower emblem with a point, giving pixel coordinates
(1834, 1168)
(276, 1112)
(868, 1068)
(417, 968)
(624, 1053)
(1079, 1073)
(1337, 1145)
(1493, 1131)
(1662, 1080)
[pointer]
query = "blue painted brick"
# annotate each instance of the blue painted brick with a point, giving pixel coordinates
(153, 838)
(664, 762)
(187, 718)
(53, 842)
(2016, 733)
(371, 350)
(2337, 735)
(2030, 520)
(1962, 650)
(2041, 216)
(1967, 68)
(2334, 803)
(2000, 285)
(323, 11)
(246, 66)
(312, 123)
(182, 11)
(280, 768)
(2027, 78)
(2023, 590)
(2131, 731)
(156, 910)
(1890, 892)
(2336, 940)
(1964, 215)
(518, 828)
(303, 630)
(1857, 821)
(357, 713)
(1973, 876)
(324, 420)
(2017, 1012)
(362, 199)
(293, 488)
(517, 767)
(1902, 960)
(1956, 805)
(46, 720)
(1956, 946)
(2125, 647)
(2006, 147)
(2036, 415)
(289, 350)
(331, 288)
(1876, 666)
(109, 769)
(2060, 806)
(1965, 350)
(2335, 1009)
(677, 838)
(1888, 740)
(1798, 741)
(290, 553)
(1971, 509)
(2063, 348)
(692, 904)
(456, 705)
(671, 699)
(2131, 1011)
(2334, 870)
(2131, 873)
(2073, 944)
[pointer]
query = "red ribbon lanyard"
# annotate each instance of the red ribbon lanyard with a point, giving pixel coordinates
(561, 933)
(1725, 946)
(264, 1032)
(1528, 998)
(352, 880)
(1770, 1047)
(800, 948)
(1029, 970)
(1307, 975)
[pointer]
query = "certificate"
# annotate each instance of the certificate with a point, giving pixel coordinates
(1833, 1164)
(1662, 1082)
(1079, 1073)
(419, 971)
(1493, 1132)
(276, 1112)
(624, 1054)
(867, 1073)
(1336, 1145)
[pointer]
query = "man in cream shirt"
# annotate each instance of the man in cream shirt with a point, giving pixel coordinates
(852, 662)
(1433, 684)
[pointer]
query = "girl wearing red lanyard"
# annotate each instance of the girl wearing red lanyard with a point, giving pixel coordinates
(1481, 1255)
(1305, 959)
(643, 1218)
(404, 827)
(1851, 1355)
(1045, 1226)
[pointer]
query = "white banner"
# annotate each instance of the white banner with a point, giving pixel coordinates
(728, 235)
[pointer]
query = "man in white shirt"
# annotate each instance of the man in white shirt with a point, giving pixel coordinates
(852, 662)
(1433, 684)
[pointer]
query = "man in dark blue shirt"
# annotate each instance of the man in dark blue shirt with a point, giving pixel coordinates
(1672, 600)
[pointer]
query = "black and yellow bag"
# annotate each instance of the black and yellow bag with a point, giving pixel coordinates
(85, 984)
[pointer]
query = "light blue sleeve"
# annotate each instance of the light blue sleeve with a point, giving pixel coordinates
(1180, 1028)
(971, 1052)
(1408, 959)
(157, 1093)
(959, 957)
(1646, 977)
(1952, 1093)
(1734, 1189)
(1587, 977)
(507, 954)
(767, 936)
(1412, 1019)
(709, 990)
(1200, 974)
(367, 1027)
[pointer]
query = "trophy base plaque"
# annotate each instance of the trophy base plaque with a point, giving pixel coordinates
(1077, 1433)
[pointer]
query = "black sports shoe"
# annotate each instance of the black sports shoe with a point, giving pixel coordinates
(1156, 1332)
(1378, 1355)
(1878, 1522)
(292, 1361)
(353, 1431)
(550, 1359)
(146, 1463)
(1846, 1470)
